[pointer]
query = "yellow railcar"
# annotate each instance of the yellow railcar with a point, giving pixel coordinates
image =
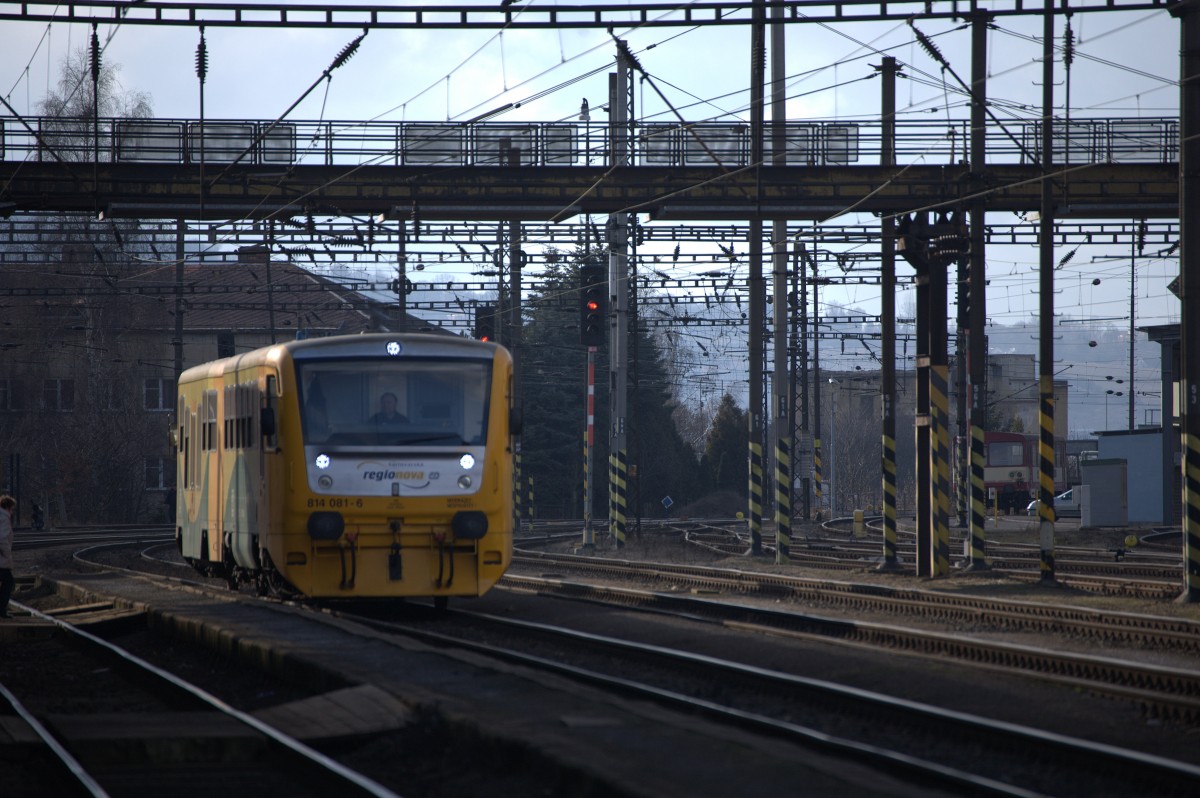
(352, 466)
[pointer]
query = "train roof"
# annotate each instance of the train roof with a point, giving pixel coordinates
(350, 346)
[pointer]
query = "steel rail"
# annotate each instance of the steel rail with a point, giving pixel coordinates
(1117, 576)
(1036, 744)
(1154, 767)
(349, 780)
(1166, 692)
(1110, 626)
(77, 772)
(890, 759)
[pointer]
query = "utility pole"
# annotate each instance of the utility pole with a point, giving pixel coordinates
(931, 247)
(180, 256)
(781, 384)
(757, 317)
(818, 475)
(1046, 308)
(887, 381)
(977, 295)
(1189, 287)
(512, 338)
(805, 383)
(620, 114)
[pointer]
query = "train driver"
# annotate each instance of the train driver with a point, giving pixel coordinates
(387, 415)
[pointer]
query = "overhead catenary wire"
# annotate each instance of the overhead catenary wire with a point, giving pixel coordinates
(341, 58)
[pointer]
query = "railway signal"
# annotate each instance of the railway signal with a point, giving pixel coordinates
(593, 290)
(484, 328)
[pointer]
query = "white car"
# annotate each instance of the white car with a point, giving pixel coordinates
(1064, 505)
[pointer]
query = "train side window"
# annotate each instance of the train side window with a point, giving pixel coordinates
(185, 441)
(269, 423)
(227, 418)
(210, 421)
(250, 391)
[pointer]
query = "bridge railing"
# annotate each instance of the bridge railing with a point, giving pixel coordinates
(534, 144)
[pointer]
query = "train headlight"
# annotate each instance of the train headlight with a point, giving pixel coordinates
(467, 462)
(325, 481)
(322, 461)
(393, 348)
(464, 482)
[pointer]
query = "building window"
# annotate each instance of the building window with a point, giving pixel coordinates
(58, 395)
(158, 394)
(160, 473)
(11, 397)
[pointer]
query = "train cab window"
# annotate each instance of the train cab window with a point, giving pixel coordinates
(1005, 453)
(395, 403)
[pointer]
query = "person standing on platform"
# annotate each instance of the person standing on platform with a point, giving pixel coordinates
(7, 505)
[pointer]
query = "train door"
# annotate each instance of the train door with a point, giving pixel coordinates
(243, 472)
(267, 444)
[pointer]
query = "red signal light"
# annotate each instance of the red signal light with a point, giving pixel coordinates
(593, 305)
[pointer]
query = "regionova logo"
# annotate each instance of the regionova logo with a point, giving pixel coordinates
(374, 471)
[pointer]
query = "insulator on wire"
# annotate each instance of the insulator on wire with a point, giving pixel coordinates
(346, 53)
(201, 59)
(1068, 45)
(95, 54)
(624, 50)
(928, 46)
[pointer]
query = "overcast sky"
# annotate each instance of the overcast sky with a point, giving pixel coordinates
(1126, 64)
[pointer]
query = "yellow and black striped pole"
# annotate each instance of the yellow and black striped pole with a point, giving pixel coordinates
(1046, 478)
(978, 530)
(517, 487)
(1191, 517)
(529, 502)
(612, 497)
(756, 497)
(818, 476)
(889, 503)
(939, 400)
(961, 480)
(589, 532)
(621, 468)
(783, 499)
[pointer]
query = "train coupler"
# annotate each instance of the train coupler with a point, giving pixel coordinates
(394, 564)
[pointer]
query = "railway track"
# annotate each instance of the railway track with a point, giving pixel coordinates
(73, 536)
(1154, 575)
(894, 735)
(1038, 758)
(1162, 692)
(115, 725)
(905, 768)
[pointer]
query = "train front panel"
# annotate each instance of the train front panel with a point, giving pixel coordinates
(395, 467)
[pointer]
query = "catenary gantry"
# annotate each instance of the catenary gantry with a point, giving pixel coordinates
(759, 188)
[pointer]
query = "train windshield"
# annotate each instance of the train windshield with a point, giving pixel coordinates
(1006, 453)
(395, 402)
